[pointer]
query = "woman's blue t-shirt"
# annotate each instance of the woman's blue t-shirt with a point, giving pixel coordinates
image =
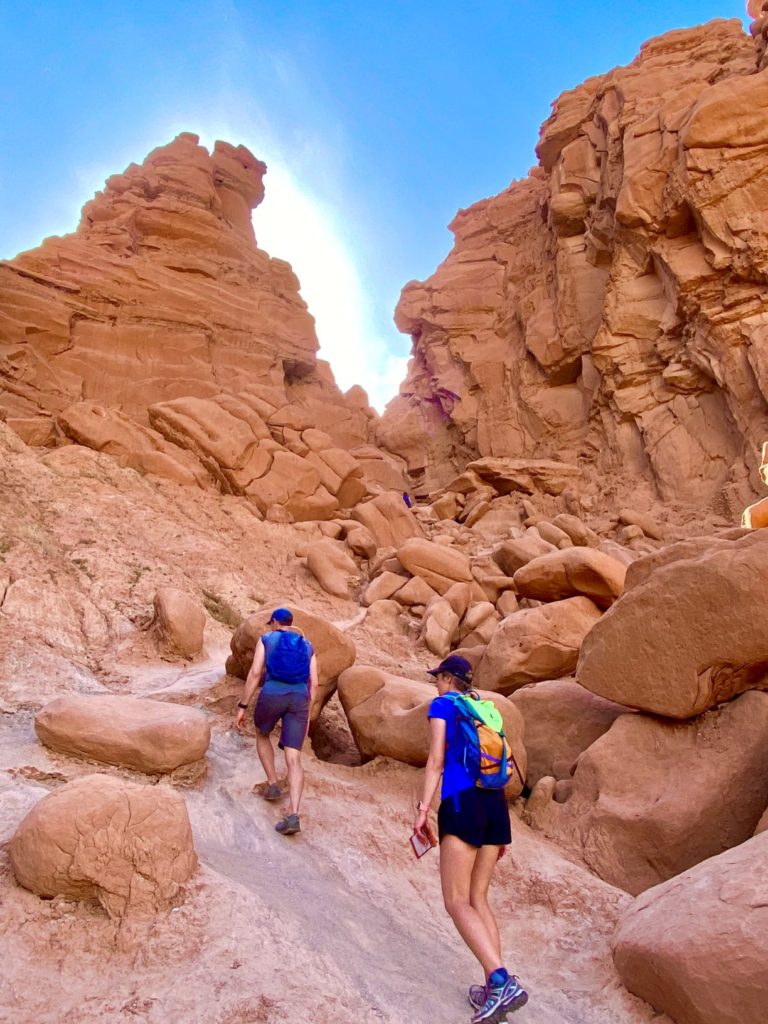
(455, 775)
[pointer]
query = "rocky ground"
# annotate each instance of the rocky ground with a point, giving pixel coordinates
(337, 924)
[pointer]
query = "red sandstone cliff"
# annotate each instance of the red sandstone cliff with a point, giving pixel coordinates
(159, 333)
(611, 309)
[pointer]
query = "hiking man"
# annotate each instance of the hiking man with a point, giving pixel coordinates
(289, 666)
(473, 826)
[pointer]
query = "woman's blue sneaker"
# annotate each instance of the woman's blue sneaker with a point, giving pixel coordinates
(476, 996)
(501, 1000)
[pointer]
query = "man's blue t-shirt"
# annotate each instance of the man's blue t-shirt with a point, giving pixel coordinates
(455, 775)
(272, 685)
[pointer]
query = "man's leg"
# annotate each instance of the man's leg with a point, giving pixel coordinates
(295, 777)
(266, 753)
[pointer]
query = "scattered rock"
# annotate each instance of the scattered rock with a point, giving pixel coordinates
(333, 568)
(180, 621)
(651, 797)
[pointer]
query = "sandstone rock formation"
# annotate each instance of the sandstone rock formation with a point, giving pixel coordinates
(712, 964)
(160, 334)
(129, 846)
(651, 797)
(708, 645)
(147, 735)
(334, 650)
(609, 310)
(536, 643)
(567, 573)
(562, 720)
(180, 621)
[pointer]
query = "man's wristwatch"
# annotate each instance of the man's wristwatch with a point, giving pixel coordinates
(243, 706)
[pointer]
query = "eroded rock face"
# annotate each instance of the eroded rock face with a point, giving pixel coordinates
(609, 310)
(127, 845)
(651, 798)
(712, 966)
(162, 335)
(146, 735)
(690, 635)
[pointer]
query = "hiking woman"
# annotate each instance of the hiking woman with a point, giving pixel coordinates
(473, 826)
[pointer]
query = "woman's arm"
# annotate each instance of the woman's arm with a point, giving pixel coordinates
(432, 773)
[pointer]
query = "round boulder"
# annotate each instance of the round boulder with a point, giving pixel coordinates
(148, 735)
(180, 621)
(129, 846)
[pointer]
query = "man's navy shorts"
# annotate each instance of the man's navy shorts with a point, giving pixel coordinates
(292, 708)
(478, 816)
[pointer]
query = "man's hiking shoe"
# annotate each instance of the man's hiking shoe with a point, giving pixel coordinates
(289, 826)
(500, 1000)
(271, 791)
(476, 996)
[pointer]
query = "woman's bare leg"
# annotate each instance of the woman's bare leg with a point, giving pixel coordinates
(457, 863)
(485, 862)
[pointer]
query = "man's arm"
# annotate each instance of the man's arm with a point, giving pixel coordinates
(312, 678)
(252, 681)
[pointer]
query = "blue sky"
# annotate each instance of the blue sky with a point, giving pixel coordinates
(378, 121)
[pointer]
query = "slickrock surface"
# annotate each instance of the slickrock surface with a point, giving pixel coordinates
(698, 973)
(610, 310)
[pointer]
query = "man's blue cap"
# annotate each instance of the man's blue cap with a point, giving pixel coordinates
(454, 665)
(282, 615)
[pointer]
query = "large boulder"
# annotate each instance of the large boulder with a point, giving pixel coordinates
(147, 735)
(388, 519)
(696, 947)
(333, 567)
(438, 564)
(652, 798)
(575, 570)
(180, 621)
(562, 720)
(511, 555)
(334, 649)
(129, 846)
(536, 643)
(693, 634)
(388, 716)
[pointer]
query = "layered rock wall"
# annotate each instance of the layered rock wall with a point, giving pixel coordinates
(611, 309)
(161, 334)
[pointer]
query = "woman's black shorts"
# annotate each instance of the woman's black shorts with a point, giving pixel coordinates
(479, 817)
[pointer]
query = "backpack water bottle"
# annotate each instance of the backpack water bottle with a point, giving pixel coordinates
(288, 659)
(488, 756)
